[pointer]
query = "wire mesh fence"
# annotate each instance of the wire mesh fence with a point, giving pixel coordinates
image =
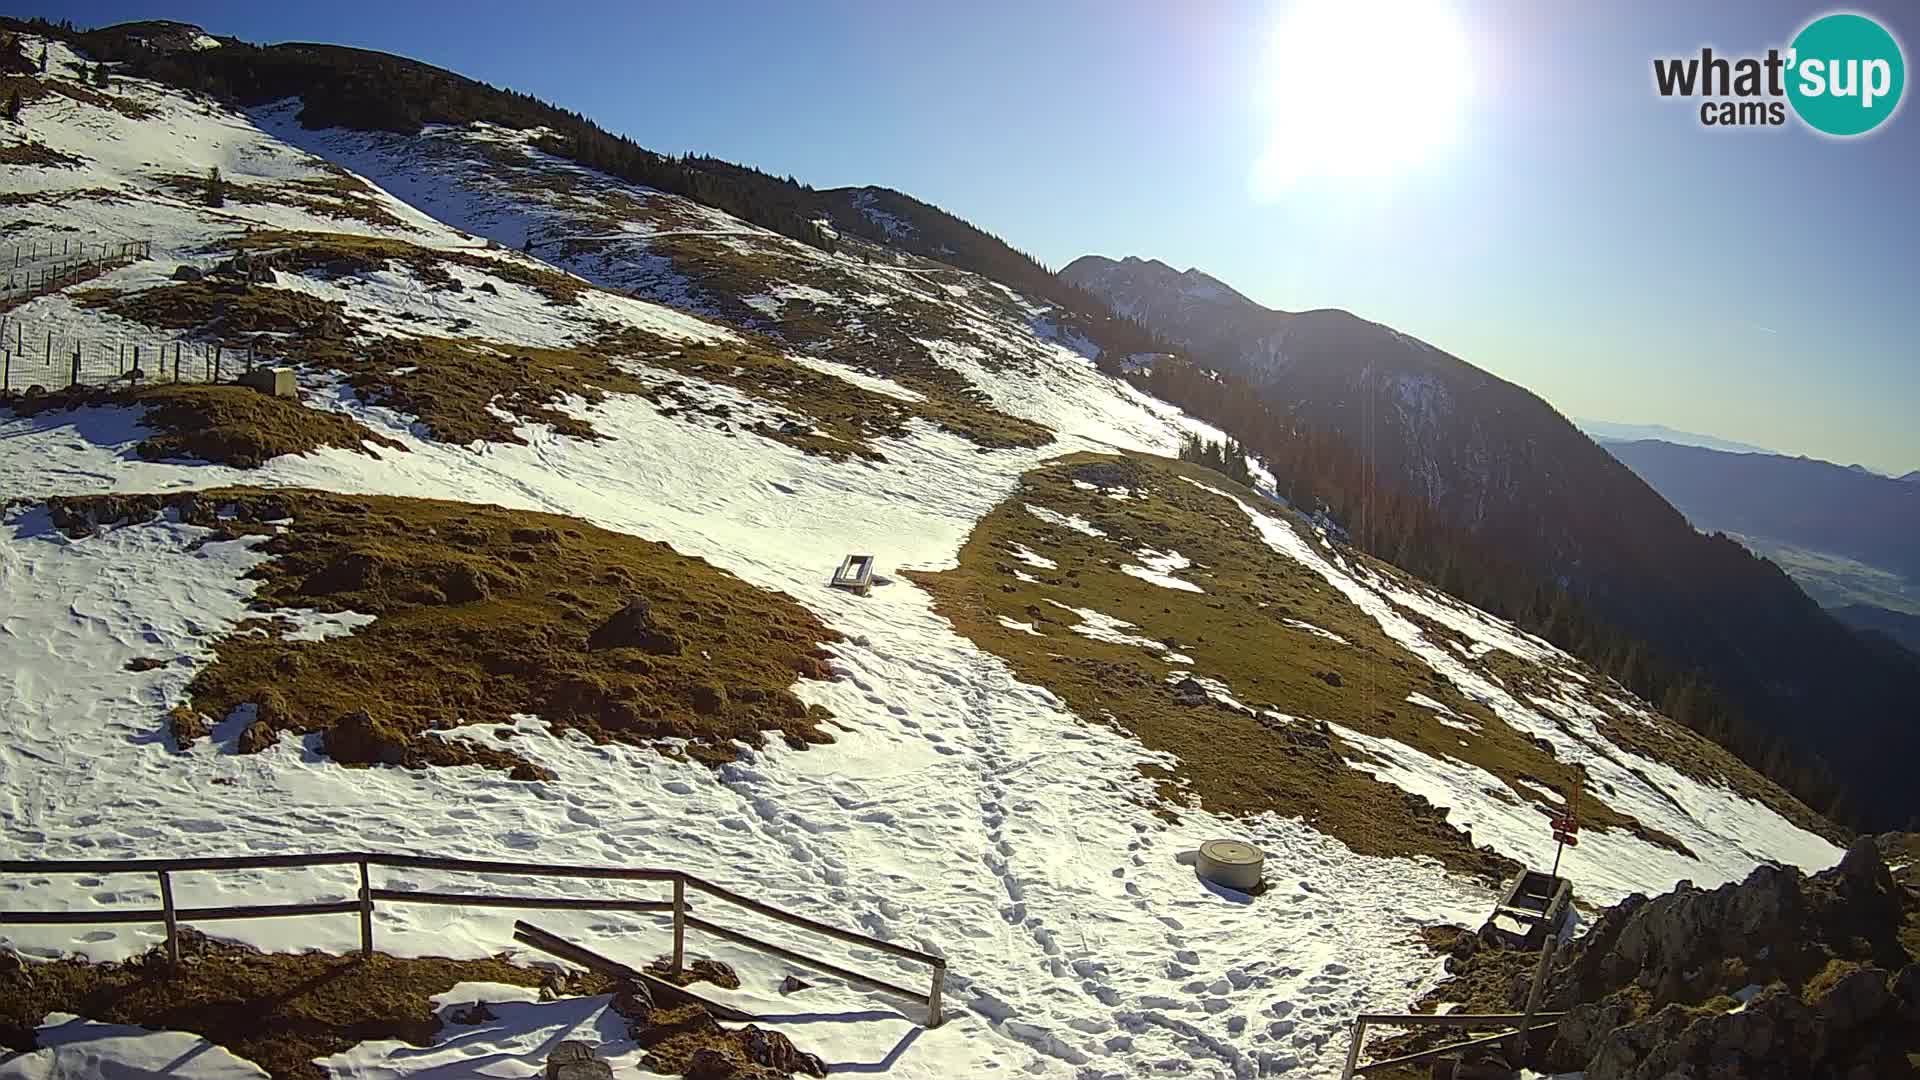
(35, 265)
(32, 357)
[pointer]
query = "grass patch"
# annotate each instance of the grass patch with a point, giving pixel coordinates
(38, 155)
(877, 341)
(1237, 631)
(484, 613)
(229, 425)
(223, 309)
(337, 195)
(338, 254)
(278, 1010)
(460, 387)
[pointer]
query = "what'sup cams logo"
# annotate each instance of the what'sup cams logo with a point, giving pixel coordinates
(1842, 76)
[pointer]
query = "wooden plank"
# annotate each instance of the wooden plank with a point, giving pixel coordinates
(268, 911)
(1443, 1051)
(518, 869)
(805, 923)
(1452, 1019)
(543, 903)
(663, 991)
(807, 961)
(154, 866)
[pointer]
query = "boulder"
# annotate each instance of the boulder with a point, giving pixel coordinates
(573, 1060)
(708, 699)
(184, 272)
(793, 984)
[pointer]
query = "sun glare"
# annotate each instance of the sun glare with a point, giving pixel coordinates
(1360, 89)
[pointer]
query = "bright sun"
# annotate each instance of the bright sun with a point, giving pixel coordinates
(1360, 89)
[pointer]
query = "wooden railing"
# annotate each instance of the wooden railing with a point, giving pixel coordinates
(171, 915)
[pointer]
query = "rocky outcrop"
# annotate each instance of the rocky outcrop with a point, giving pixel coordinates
(1780, 975)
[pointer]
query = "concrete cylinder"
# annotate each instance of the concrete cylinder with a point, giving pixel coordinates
(1232, 863)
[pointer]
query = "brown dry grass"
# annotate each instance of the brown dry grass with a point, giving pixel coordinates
(277, 1010)
(458, 386)
(37, 155)
(223, 309)
(1230, 762)
(485, 613)
(230, 425)
(337, 195)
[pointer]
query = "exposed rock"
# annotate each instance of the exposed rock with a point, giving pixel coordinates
(1331, 678)
(793, 984)
(1189, 692)
(634, 1001)
(708, 699)
(777, 1052)
(476, 1013)
(1645, 991)
(707, 1063)
(573, 1060)
(185, 272)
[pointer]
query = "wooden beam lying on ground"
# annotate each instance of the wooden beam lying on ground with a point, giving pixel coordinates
(664, 992)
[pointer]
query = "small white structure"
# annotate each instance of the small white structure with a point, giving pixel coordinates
(272, 381)
(1232, 863)
(855, 574)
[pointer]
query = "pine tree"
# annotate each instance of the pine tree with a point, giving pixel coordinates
(100, 76)
(43, 60)
(13, 106)
(216, 188)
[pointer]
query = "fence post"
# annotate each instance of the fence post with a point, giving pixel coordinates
(679, 923)
(1533, 997)
(1353, 1049)
(6, 369)
(934, 1018)
(49, 348)
(366, 912)
(176, 361)
(76, 365)
(173, 921)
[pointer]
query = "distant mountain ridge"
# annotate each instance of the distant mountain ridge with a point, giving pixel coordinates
(1608, 431)
(1797, 501)
(1500, 462)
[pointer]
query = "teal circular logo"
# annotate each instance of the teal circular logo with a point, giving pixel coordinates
(1845, 74)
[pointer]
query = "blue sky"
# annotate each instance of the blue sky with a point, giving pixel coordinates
(1578, 234)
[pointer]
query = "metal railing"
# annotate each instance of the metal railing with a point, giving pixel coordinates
(171, 916)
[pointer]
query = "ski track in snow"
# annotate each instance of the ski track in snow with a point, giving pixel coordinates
(960, 811)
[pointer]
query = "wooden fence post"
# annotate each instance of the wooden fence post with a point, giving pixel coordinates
(176, 360)
(173, 920)
(76, 365)
(679, 924)
(1353, 1049)
(6, 369)
(366, 912)
(1533, 998)
(934, 1017)
(49, 348)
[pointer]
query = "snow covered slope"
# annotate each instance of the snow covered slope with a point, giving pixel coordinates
(961, 809)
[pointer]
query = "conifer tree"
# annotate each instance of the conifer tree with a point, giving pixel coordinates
(13, 106)
(216, 188)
